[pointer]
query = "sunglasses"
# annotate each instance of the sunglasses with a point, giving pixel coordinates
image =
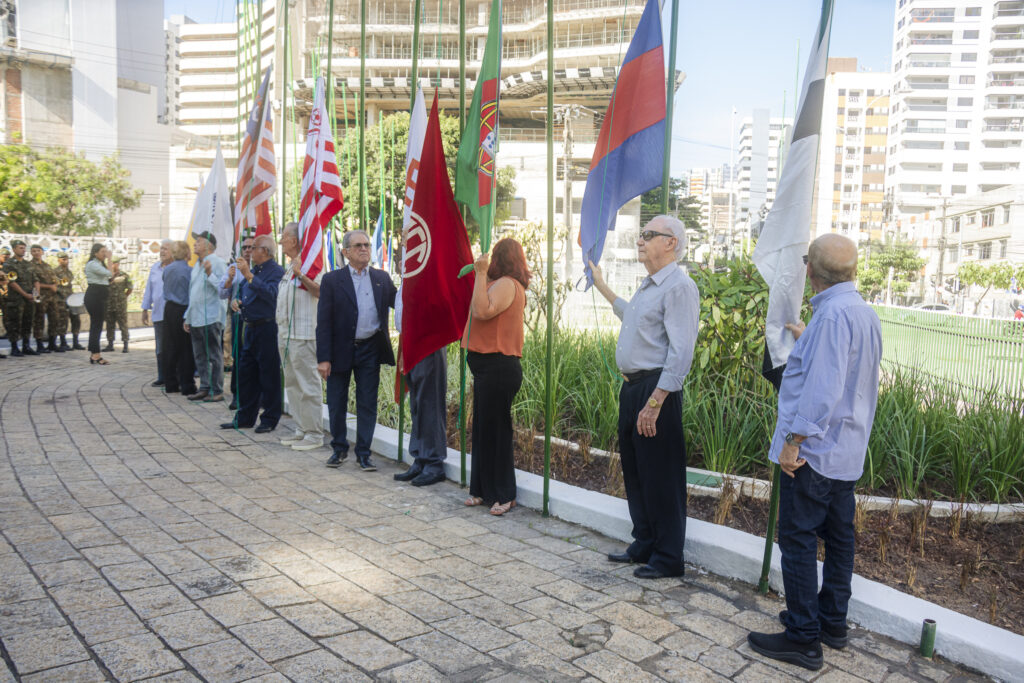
(804, 257)
(360, 245)
(246, 246)
(648, 235)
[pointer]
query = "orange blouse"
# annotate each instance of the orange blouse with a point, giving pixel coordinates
(501, 334)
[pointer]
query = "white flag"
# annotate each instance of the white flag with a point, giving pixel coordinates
(212, 210)
(413, 150)
(787, 228)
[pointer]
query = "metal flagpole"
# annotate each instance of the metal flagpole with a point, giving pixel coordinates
(361, 112)
(284, 123)
(670, 97)
(549, 396)
(462, 209)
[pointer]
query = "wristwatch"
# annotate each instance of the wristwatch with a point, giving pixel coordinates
(791, 439)
(653, 402)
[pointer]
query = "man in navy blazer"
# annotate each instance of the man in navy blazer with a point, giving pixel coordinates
(352, 339)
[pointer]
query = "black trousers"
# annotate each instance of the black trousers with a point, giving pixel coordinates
(259, 377)
(235, 320)
(96, 304)
(496, 381)
(179, 363)
(654, 472)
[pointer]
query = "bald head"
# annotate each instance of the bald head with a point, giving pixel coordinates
(833, 259)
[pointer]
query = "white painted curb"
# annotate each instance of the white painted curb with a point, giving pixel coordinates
(738, 555)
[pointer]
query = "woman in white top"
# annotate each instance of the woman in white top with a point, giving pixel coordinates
(97, 275)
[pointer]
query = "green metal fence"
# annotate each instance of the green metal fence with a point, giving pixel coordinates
(980, 355)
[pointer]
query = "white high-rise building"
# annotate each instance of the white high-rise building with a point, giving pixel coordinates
(957, 118)
(851, 157)
(764, 141)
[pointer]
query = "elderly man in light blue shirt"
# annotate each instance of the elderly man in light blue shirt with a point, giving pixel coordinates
(826, 408)
(204, 318)
(654, 354)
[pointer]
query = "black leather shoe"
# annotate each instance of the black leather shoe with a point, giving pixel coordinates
(157, 383)
(835, 638)
(623, 558)
(427, 479)
(336, 459)
(233, 405)
(365, 464)
(264, 428)
(778, 646)
(649, 572)
(232, 425)
(409, 474)
(198, 396)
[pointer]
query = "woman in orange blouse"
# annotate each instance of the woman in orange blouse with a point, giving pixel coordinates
(494, 340)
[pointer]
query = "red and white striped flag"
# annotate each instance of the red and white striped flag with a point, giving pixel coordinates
(321, 186)
(256, 181)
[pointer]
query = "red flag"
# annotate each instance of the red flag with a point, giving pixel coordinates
(435, 300)
(321, 187)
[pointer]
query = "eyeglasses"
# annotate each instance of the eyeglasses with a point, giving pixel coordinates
(246, 246)
(648, 235)
(360, 245)
(804, 257)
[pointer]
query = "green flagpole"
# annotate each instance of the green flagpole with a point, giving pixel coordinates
(462, 209)
(666, 181)
(284, 123)
(549, 334)
(361, 112)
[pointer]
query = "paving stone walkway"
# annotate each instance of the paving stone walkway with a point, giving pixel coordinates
(140, 542)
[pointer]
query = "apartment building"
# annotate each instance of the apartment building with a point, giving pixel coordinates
(956, 120)
(851, 158)
(88, 75)
(764, 141)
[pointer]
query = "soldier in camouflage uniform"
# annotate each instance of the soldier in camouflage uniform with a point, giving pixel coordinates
(20, 305)
(4, 254)
(117, 305)
(65, 288)
(45, 318)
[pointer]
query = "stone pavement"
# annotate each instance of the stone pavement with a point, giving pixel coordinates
(138, 541)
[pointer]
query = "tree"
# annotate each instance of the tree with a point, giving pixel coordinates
(997, 275)
(395, 129)
(873, 272)
(58, 191)
(687, 209)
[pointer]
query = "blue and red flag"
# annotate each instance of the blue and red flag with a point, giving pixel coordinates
(630, 153)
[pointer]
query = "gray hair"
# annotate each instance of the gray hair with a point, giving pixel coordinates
(167, 243)
(678, 231)
(346, 239)
(292, 227)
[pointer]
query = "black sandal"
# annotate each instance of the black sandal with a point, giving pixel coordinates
(99, 361)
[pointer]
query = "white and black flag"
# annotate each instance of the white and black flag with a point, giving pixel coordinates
(787, 228)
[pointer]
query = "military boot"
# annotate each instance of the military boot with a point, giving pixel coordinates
(75, 345)
(64, 343)
(26, 347)
(15, 351)
(125, 349)
(41, 346)
(54, 346)
(109, 346)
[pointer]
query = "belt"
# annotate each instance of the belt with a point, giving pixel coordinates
(639, 375)
(360, 342)
(257, 323)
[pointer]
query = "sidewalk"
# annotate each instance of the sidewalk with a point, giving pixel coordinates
(138, 540)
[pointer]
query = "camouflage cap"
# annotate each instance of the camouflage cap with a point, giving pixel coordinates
(5, 251)
(116, 259)
(17, 243)
(63, 256)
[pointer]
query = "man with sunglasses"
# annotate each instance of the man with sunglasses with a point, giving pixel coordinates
(654, 353)
(352, 339)
(827, 406)
(233, 336)
(259, 366)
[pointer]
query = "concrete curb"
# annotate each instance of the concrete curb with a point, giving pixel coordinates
(735, 554)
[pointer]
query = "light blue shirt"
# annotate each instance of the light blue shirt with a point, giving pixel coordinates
(96, 273)
(227, 289)
(367, 322)
(205, 307)
(830, 386)
(659, 327)
(153, 297)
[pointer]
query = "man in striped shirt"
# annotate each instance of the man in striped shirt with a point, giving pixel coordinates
(296, 340)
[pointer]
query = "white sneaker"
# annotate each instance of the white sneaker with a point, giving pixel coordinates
(307, 444)
(292, 440)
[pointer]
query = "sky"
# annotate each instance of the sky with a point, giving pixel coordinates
(736, 53)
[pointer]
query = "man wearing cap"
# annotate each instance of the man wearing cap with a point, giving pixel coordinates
(153, 300)
(20, 309)
(117, 305)
(654, 354)
(204, 318)
(44, 322)
(65, 288)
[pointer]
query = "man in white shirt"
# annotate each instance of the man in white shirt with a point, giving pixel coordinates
(297, 298)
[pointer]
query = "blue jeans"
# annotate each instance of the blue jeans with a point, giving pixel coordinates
(813, 506)
(366, 368)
